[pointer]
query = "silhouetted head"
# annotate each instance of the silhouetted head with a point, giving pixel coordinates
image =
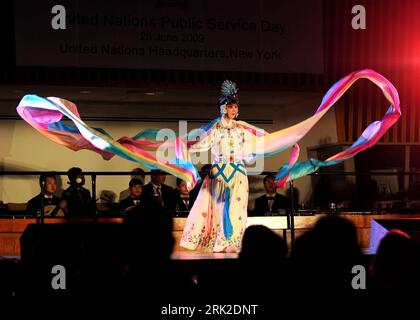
(323, 258)
(336, 236)
(149, 229)
(149, 243)
(261, 244)
(394, 259)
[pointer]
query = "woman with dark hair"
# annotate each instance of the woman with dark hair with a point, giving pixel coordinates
(218, 218)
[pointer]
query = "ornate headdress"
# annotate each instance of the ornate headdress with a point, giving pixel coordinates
(228, 94)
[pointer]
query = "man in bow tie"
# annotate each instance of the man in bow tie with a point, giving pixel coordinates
(183, 201)
(133, 200)
(271, 202)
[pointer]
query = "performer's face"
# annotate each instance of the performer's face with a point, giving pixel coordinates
(136, 190)
(232, 110)
(183, 188)
(269, 185)
(50, 185)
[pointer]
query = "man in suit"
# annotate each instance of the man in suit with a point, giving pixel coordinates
(78, 198)
(271, 202)
(133, 200)
(157, 191)
(183, 201)
(138, 173)
(53, 205)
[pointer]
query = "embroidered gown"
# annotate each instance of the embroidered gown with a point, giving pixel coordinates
(218, 217)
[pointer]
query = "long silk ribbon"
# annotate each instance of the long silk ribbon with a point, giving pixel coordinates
(46, 116)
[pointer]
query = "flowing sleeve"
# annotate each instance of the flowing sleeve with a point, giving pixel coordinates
(204, 143)
(46, 116)
(259, 143)
(196, 141)
(262, 144)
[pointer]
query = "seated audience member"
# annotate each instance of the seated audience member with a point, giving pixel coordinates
(183, 202)
(271, 202)
(138, 173)
(79, 200)
(157, 191)
(53, 205)
(133, 200)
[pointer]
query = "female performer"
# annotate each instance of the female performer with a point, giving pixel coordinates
(218, 218)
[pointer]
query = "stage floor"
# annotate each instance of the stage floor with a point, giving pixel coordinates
(178, 255)
(12, 229)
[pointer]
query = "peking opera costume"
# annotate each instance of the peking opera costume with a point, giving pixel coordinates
(218, 218)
